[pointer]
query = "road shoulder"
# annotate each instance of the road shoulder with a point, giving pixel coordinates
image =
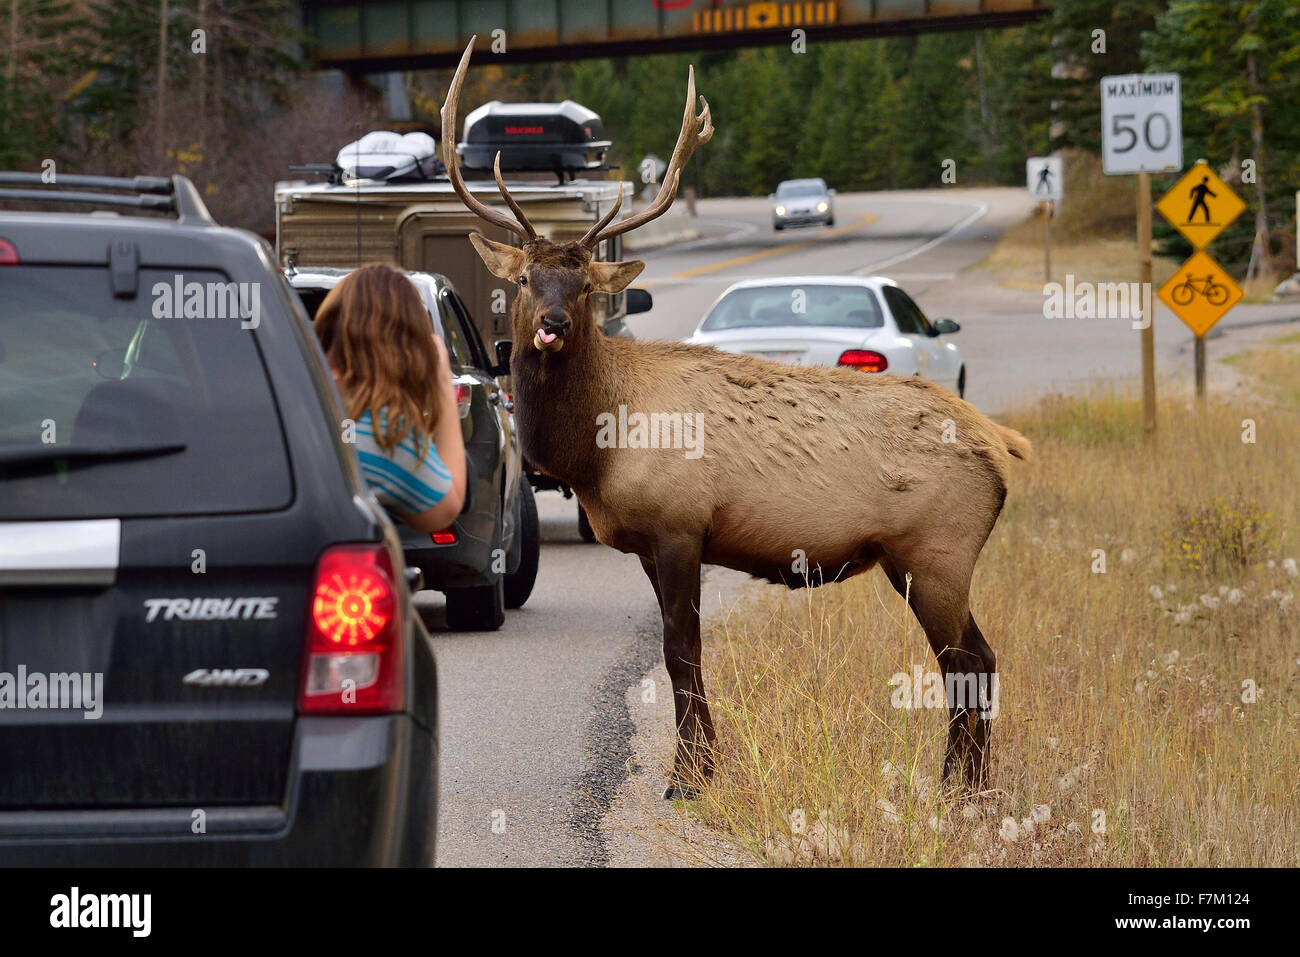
(640, 829)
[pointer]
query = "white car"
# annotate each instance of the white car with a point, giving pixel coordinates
(867, 323)
(802, 202)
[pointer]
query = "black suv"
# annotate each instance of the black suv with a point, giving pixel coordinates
(209, 654)
(487, 560)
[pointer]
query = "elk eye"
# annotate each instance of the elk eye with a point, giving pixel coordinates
(523, 280)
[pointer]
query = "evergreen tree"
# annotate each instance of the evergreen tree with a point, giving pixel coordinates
(940, 109)
(1238, 61)
(1091, 39)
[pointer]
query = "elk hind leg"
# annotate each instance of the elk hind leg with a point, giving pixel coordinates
(939, 595)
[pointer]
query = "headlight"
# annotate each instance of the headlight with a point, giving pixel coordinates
(823, 206)
(780, 210)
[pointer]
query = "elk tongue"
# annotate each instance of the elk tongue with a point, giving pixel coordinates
(544, 340)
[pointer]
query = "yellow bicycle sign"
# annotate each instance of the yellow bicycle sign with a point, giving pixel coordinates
(1200, 293)
(1186, 292)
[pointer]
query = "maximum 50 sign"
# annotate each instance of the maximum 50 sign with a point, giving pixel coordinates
(1141, 123)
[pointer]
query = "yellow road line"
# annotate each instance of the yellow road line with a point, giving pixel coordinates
(765, 253)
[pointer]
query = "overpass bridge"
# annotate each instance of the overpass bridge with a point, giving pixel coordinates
(369, 36)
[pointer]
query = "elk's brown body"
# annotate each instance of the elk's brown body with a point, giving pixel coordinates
(834, 464)
(829, 470)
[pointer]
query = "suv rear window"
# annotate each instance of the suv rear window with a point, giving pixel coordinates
(157, 416)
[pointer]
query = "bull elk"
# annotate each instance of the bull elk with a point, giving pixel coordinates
(847, 469)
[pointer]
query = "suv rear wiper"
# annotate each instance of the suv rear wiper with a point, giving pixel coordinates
(49, 453)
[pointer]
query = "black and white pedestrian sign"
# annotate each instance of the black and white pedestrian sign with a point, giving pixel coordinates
(1141, 124)
(1045, 178)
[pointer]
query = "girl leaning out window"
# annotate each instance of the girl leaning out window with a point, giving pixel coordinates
(395, 379)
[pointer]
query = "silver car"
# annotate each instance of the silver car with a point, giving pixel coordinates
(863, 322)
(803, 202)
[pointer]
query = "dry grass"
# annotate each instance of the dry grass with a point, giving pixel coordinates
(1258, 290)
(1275, 369)
(1092, 235)
(1127, 736)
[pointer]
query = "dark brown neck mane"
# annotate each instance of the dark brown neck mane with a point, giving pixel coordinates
(558, 396)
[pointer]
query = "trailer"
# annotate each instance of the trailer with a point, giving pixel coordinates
(423, 226)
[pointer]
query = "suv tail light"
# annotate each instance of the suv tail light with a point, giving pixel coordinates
(446, 537)
(8, 254)
(864, 359)
(354, 635)
(463, 397)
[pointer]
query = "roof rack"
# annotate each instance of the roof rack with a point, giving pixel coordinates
(161, 193)
(333, 174)
(331, 171)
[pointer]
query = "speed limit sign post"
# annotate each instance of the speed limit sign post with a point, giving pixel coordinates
(1142, 133)
(1141, 124)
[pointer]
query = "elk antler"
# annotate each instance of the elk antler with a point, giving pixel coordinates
(695, 131)
(593, 235)
(519, 225)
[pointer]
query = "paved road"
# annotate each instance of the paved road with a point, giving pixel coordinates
(921, 238)
(534, 722)
(534, 729)
(924, 240)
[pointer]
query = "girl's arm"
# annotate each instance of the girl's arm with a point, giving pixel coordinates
(450, 445)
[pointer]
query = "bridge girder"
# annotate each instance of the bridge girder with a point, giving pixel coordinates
(375, 35)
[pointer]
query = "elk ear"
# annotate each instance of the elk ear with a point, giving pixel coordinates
(504, 262)
(613, 277)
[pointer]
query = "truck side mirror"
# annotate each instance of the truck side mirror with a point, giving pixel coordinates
(503, 347)
(639, 300)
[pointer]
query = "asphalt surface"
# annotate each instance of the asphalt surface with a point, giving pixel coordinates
(922, 240)
(925, 241)
(534, 721)
(533, 734)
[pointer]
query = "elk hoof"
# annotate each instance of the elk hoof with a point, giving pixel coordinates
(680, 792)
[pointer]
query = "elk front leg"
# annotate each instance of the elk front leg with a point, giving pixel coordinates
(676, 569)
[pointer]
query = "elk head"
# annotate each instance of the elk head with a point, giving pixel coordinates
(556, 280)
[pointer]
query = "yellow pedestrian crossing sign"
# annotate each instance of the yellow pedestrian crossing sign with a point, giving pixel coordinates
(1200, 293)
(1200, 205)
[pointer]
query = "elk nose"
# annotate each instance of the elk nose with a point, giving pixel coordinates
(556, 323)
